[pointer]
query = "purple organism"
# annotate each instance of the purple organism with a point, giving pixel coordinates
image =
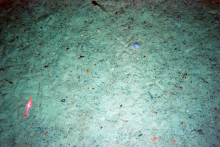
(135, 45)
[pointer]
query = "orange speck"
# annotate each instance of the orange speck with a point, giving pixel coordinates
(154, 138)
(87, 70)
(173, 141)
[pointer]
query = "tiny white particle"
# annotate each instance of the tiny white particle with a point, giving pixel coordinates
(102, 119)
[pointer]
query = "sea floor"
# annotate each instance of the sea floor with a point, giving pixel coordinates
(90, 88)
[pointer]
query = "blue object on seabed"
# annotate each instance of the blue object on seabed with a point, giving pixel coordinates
(135, 45)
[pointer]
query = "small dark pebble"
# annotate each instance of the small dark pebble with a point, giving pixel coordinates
(63, 100)
(140, 135)
(130, 18)
(120, 105)
(81, 57)
(200, 132)
(151, 96)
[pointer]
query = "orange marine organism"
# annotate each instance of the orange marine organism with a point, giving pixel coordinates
(28, 106)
